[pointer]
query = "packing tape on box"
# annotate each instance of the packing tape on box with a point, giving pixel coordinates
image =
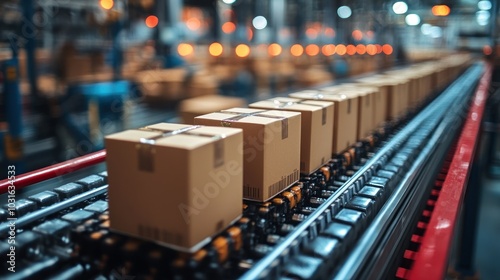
(284, 121)
(146, 148)
(281, 104)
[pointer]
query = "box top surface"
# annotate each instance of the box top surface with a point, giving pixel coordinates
(391, 80)
(191, 139)
(294, 104)
(371, 81)
(254, 119)
(316, 95)
(209, 103)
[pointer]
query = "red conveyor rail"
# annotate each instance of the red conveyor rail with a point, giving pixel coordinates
(36, 176)
(428, 253)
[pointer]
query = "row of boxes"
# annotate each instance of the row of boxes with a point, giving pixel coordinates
(180, 185)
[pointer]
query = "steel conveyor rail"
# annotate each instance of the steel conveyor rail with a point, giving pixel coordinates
(429, 133)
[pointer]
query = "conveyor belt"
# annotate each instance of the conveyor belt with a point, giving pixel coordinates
(428, 255)
(348, 220)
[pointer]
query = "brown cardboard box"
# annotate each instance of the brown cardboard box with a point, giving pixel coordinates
(201, 85)
(413, 86)
(193, 107)
(345, 117)
(271, 148)
(366, 105)
(365, 95)
(178, 188)
(162, 84)
(379, 100)
(316, 128)
(397, 95)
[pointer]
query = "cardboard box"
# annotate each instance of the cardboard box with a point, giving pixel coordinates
(366, 104)
(380, 99)
(345, 117)
(271, 148)
(201, 85)
(316, 128)
(397, 95)
(365, 95)
(174, 184)
(193, 107)
(162, 84)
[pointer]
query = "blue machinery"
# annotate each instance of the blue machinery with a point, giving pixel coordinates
(12, 138)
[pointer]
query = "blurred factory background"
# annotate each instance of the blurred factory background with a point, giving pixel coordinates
(90, 68)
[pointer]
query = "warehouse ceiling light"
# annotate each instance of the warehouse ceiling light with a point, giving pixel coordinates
(361, 49)
(215, 49)
(242, 50)
(351, 49)
(387, 49)
(151, 21)
(259, 22)
(371, 49)
(312, 50)
(185, 49)
(436, 32)
(229, 2)
(107, 4)
(296, 50)
(228, 27)
(357, 35)
(328, 50)
(482, 17)
(484, 5)
(344, 12)
(400, 7)
(341, 49)
(426, 29)
(440, 10)
(412, 19)
(274, 49)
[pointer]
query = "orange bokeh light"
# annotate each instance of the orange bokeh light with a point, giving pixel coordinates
(440, 10)
(351, 49)
(357, 35)
(379, 48)
(296, 50)
(387, 49)
(311, 33)
(371, 49)
(328, 50)
(228, 27)
(242, 50)
(341, 49)
(330, 32)
(185, 49)
(107, 4)
(274, 49)
(361, 49)
(249, 34)
(193, 23)
(151, 21)
(215, 49)
(312, 50)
